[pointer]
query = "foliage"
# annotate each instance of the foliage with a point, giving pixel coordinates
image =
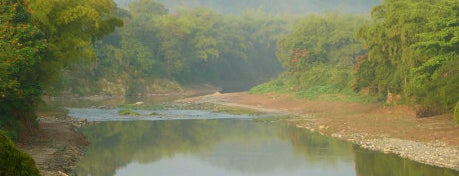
(277, 85)
(37, 39)
(71, 28)
(190, 46)
(22, 46)
(13, 161)
(319, 56)
(412, 51)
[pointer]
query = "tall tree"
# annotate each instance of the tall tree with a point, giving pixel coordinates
(71, 27)
(22, 46)
(413, 51)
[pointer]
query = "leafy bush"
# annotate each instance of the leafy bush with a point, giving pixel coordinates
(14, 161)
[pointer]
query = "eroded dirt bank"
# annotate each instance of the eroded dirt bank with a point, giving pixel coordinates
(433, 141)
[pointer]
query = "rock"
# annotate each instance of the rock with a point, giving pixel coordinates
(62, 173)
(139, 103)
(387, 150)
(102, 107)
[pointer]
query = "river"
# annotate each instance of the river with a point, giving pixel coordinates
(190, 142)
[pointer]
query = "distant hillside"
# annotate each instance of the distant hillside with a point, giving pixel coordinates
(272, 6)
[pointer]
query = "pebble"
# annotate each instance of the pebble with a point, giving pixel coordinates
(433, 153)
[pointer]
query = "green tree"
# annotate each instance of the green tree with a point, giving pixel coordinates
(412, 50)
(320, 53)
(191, 45)
(71, 27)
(22, 46)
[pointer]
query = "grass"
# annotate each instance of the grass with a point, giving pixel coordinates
(319, 92)
(128, 112)
(277, 85)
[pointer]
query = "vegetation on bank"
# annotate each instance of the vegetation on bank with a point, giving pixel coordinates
(412, 54)
(319, 57)
(187, 46)
(405, 56)
(407, 53)
(13, 161)
(37, 40)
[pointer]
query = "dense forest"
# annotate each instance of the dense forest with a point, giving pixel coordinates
(407, 52)
(38, 39)
(156, 48)
(319, 56)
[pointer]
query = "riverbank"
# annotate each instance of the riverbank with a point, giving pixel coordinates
(433, 141)
(57, 146)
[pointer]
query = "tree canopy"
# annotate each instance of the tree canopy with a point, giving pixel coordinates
(190, 46)
(38, 39)
(413, 51)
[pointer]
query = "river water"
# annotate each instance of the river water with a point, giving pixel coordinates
(202, 143)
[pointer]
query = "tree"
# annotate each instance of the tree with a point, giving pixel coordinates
(413, 50)
(22, 47)
(71, 27)
(319, 53)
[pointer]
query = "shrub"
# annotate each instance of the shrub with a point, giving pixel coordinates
(14, 161)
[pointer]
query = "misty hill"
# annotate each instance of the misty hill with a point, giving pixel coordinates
(272, 6)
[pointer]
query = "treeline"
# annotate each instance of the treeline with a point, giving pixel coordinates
(271, 6)
(190, 46)
(37, 40)
(413, 49)
(319, 56)
(409, 55)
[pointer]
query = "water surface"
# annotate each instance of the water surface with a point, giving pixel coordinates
(206, 143)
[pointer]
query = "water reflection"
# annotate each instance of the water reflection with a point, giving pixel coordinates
(370, 163)
(231, 147)
(211, 147)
